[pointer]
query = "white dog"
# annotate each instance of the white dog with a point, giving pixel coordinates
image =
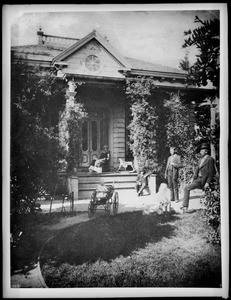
(162, 203)
(163, 197)
(125, 164)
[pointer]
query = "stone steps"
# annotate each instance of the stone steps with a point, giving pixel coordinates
(88, 183)
(83, 184)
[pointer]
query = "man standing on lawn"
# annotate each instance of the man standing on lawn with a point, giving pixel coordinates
(203, 175)
(172, 172)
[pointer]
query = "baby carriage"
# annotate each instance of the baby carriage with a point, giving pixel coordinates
(109, 203)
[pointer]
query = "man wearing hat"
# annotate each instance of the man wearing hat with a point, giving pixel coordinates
(203, 175)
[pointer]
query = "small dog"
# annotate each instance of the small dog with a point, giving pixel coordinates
(164, 198)
(162, 203)
(125, 164)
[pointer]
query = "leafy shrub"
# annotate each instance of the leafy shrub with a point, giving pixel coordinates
(212, 211)
(35, 151)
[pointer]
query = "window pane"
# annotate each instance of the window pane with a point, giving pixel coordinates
(94, 135)
(85, 136)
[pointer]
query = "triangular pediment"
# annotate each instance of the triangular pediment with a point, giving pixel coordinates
(92, 55)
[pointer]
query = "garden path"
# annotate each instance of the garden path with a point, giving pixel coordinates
(129, 201)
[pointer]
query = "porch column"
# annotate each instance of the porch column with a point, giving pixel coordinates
(73, 186)
(71, 90)
(152, 184)
(64, 134)
(70, 102)
(70, 98)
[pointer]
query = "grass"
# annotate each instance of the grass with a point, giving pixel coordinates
(133, 250)
(36, 230)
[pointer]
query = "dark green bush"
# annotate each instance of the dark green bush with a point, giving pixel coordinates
(34, 147)
(212, 211)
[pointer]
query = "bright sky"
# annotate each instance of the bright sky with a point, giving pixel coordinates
(141, 32)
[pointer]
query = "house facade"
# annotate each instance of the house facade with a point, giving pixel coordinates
(96, 72)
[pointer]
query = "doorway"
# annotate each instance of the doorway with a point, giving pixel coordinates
(94, 136)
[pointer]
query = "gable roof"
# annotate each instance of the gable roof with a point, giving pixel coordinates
(53, 53)
(37, 52)
(93, 35)
(149, 66)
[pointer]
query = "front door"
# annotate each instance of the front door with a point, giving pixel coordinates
(94, 136)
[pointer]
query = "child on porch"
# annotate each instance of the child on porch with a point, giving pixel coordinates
(102, 164)
(101, 190)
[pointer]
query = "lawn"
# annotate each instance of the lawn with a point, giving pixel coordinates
(133, 250)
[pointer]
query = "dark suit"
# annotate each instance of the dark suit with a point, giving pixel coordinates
(105, 163)
(105, 156)
(171, 173)
(203, 174)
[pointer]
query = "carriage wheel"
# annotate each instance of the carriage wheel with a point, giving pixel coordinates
(115, 203)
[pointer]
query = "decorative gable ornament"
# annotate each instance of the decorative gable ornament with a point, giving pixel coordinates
(92, 63)
(92, 55)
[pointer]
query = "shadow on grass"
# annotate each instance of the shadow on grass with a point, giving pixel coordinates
(24, 252)
(105, 238)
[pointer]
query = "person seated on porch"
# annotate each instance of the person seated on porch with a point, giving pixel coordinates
(142, 182)
(101, 191)
(102, 164)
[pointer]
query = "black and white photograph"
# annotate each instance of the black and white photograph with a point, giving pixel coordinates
(115, 150)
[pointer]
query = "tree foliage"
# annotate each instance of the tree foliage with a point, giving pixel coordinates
(206, 39)
(184, 63)
(35, 150)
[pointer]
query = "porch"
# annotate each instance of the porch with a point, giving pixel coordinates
(84, 184)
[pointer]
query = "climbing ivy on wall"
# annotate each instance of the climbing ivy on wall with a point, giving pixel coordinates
(70, 126)
(180, 133)
(144, 126)
(159, 120)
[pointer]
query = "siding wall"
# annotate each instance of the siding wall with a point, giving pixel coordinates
(117, 133)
